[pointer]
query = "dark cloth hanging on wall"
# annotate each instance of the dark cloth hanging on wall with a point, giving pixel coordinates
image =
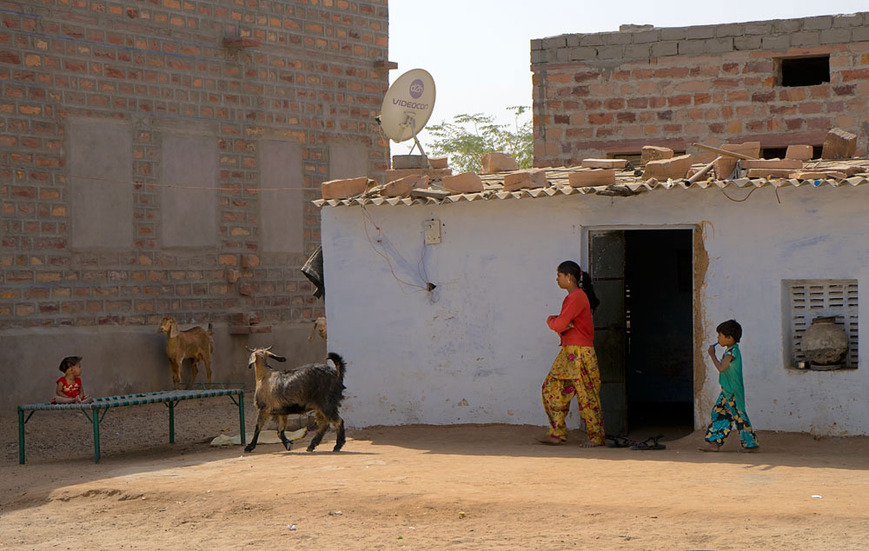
(313, 270)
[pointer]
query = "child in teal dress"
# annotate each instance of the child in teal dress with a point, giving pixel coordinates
(729, 409)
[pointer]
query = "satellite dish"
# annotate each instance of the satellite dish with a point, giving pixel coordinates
(407, 106)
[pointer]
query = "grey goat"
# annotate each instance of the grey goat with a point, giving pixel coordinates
(311, 387)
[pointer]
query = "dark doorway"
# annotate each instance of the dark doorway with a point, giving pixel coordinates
(659, 290)
(644, 329)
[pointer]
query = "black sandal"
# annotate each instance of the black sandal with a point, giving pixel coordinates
(650, 443)
(618, 442)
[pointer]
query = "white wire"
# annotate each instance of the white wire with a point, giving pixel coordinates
(366, 219)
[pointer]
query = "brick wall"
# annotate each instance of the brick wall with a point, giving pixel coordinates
(612, 93)
(159, 71)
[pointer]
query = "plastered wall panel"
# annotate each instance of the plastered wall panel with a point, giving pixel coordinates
(101, 190)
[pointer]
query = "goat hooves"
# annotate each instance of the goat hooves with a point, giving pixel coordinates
(249, 448)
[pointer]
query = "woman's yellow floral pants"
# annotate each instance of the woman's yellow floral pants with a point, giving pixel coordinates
(574, 373)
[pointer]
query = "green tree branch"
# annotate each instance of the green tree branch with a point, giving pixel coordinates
(468, 137)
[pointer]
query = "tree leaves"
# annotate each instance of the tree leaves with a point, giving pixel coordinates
(468, 137)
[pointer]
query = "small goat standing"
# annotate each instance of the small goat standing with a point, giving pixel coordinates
(310, 387)
(195, 344)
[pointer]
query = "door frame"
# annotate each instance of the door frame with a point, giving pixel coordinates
(699, 263)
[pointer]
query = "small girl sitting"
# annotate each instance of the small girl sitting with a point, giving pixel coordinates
(69, 387)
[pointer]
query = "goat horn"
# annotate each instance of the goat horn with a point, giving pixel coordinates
(269, 348)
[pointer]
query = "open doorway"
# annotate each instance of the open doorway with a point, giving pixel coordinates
(644, 329)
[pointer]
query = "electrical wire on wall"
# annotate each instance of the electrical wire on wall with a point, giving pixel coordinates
(774, 188)
(386, 250)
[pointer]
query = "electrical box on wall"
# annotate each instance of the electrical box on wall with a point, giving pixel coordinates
(432, 230)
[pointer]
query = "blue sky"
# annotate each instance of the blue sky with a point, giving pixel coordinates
(478, 51)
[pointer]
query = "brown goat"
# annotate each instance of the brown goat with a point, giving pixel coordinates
(319, 327)
(311, 387)
(195, 344)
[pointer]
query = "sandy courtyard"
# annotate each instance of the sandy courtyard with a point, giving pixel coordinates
(419, 487)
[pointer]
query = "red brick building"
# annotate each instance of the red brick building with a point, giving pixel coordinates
(778, 82)
(160, 157)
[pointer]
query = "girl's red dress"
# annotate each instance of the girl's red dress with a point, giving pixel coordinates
(70, 390)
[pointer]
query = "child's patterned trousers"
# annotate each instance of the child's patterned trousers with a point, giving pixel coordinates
(725, 414)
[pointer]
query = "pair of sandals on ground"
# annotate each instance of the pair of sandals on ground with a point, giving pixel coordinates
(650, 443)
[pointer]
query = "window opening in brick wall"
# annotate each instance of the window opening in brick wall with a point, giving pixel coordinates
(805, 71)
(781, 152)
(810, 299)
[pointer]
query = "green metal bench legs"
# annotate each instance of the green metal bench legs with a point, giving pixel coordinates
(96, 411)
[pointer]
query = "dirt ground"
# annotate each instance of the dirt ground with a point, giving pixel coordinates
(416, 487)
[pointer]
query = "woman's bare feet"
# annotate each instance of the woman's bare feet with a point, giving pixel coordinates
(550, 440)
(590, 444)
(709, 448)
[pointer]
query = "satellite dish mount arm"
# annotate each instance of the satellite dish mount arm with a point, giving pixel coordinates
(410, 121)
(419, 145)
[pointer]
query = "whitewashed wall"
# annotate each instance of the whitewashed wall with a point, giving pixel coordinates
(477, 350)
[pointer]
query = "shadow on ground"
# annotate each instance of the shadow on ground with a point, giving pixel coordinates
(777, 448)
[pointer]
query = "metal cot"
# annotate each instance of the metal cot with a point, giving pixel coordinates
(96, 410)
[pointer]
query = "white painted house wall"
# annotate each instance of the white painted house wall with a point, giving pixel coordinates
(477, 350)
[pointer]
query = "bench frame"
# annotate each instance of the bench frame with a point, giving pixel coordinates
(96, 410)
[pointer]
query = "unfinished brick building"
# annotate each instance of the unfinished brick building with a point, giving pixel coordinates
(778, 82)
(160, 158)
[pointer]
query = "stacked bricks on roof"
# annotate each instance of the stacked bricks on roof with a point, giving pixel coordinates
(433, 173)
(604, 163)
(655, 153)
(305, 79)
(772, 168)
(497, 162)
(675, 168)
(439, 162)
(344, 188)
(403, 186)
(525, 179)
(467, 182)
(590, 177)
(725, 165)
(801, 152)
(839, 144)
(610, 94)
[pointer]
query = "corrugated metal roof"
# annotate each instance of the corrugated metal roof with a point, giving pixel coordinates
(627, 185)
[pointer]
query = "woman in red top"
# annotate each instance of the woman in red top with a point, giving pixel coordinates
(575, 371)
